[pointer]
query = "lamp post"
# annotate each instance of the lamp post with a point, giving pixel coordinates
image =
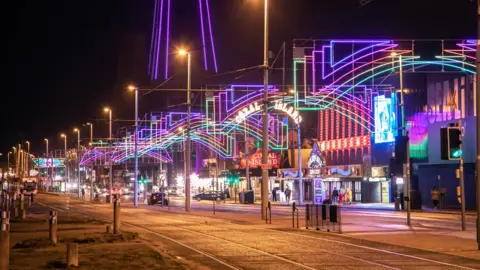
(8, 163)
(90, 169)
(46, 156)
(64, 136)
(91, 133)
(78, 160)
(110, 184)
(264, 185)
(133, 88)
(27, 159)
(187, 142)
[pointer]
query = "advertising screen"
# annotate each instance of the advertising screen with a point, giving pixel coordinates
(385, 119)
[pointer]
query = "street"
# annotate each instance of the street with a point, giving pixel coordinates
(237, 239)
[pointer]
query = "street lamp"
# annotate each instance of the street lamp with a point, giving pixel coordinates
(78, 159)
(64, 136)
(46, 147)
(109, 111)
(264, 185)
(91, 133)
(187, 143)
(27, 161)
(110, 188)
(46, 156)
(134, 88)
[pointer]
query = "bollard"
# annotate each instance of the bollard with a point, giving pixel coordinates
(116, 214)
(4, 240)
(30, 199)
(53, 227)
(31, 196)
(316, 216)
(23, 216)
(307, 215)
(294, 207)
(339, 219)
(16, 212)
(21, 202)
(72, 254)
(109, 228)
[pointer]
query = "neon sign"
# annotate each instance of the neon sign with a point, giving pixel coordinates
(245, 112)
(279, 105)
(345, 143)
(385, 119)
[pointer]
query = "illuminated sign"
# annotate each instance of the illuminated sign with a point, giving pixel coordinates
(255, 160)
(385, 119)
(279, 105)
(48, 162)
(245, 112)
(340, 171)
(346, 143)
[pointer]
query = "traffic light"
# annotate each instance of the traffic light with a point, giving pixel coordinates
(232, 179)
(450, 142)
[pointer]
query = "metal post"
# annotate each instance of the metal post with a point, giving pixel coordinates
(116, 215)
(307, 215)
(299, 171)
(407, 183)
(264, 185)
(53, 227)
(187, 143)
(78, 161)
(4, 240)
(462, 180)
(136, 149)
(316, 215)
(110, 182)
(478, 125)
(293, 214)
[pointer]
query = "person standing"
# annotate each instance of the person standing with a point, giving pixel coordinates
(402, 200)
(435, 196)
(287, 195)
(348, 196)
(274, 195)
(341, 194)
(335, 195)
(83, 193)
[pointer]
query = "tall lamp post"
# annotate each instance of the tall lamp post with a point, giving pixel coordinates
(78, 160)
(27, 159)
(133, 88)
(478, 124)
(64, 136)
(264, 185)
(91, 133)
(46, 156)
(110, 184)
(91, 168)
(187, 142)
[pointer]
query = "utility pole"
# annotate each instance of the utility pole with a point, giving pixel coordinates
(462, 180)
(478, 123)
(187, 143)
(264, 186)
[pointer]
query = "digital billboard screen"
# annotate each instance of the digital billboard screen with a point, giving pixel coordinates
(385, 119)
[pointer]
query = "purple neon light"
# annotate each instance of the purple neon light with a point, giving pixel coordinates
(211, 36)
(203, 34)
(167, 49)
(150, 60)
(159, 39)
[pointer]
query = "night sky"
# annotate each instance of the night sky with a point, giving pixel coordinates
(64, 57)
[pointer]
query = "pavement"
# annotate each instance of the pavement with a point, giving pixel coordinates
(235, 237)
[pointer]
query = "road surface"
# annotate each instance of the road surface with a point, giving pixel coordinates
(245, 244)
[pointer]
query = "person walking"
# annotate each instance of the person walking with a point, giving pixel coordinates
(83, 193)
(335, 195)
(435, 196)
(274, 195)
(348, 196)
(402, 200)
(287, 195)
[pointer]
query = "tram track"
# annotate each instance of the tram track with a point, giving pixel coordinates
(264, 253)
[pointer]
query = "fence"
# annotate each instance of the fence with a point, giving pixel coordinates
(325, 217)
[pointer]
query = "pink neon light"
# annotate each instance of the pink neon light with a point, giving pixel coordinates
(159, 40)
(152, 41)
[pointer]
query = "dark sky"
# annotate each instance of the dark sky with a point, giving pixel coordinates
(63, 56)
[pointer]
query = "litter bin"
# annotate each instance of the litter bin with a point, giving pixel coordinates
(241, 197)
(249, 196)
(107, 198)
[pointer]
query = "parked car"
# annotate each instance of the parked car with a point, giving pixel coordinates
(156, 198)
(210, 196)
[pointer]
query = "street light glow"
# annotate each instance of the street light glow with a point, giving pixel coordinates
(63, 135)
(106, 109)
(45, 139)
(75, 130)
(393, 54)
(132, 87)
(182, 52)
(180, 129)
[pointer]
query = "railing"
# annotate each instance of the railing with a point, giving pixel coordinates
(327, 217)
